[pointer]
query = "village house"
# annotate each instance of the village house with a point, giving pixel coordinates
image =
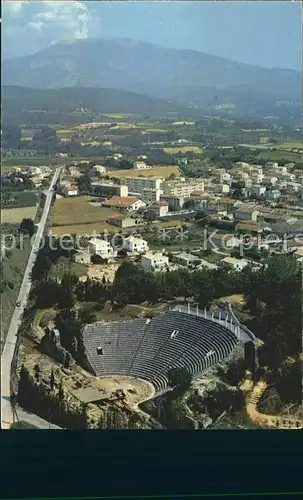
(100, 247)
(140, 165)
(154, 262)
(157, 209)
(224, 241)
(134, 244)
(125, 203)
(70, 190)
(246, 213)
(186, 259)
(233, 263)
(123, 221)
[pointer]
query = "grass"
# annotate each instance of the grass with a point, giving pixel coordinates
(63, 265)
(41, 161)
(84, 229)
(13, 269)
(289, 145)
(77, 211)
(151, 172)
(15, 215)
(22, 424)
(183, 149)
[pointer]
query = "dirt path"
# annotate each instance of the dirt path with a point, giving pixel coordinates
(252, 400)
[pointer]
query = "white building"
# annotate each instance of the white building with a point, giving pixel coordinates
(101, 247)
(133, 244)
(70, 191)
(99, 169)
(140, 165)
(137, 184)
(154, 262)
(125, 203)
(117, 156)
(181, 188)
(150, 195)
(233, 263)
(34, 170)
(258, 190)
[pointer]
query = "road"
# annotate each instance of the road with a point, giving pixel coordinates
(35, 420)
(12, 335)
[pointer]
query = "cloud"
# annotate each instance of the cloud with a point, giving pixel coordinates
(72, 18)
(14, 7)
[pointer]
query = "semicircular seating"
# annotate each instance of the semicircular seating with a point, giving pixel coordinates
(147, 349)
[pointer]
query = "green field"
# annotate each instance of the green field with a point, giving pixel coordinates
(13, 269)
(8, 163)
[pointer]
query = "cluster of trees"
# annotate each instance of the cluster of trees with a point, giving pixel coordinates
(48, 400)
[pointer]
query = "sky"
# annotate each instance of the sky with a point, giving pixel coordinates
(260, 33)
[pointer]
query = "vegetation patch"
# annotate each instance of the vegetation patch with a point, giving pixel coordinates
(150, 172)
(15, 215)
(78, 210)
(183, 149)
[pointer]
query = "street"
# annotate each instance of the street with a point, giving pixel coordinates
(12, 335)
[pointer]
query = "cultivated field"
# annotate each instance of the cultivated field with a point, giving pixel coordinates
(183, 149)
(150, 172)
(15, 215)
(84, 229)
(78, 211)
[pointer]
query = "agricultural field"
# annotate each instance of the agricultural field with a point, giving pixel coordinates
(289, 145)
(83, 229)
(183, 149)
(15, 215)
(12, 267)
(150, 172)
(78, 211)
(64, 266)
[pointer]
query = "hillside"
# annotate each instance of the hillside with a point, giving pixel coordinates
(17, 102)
(144, 68)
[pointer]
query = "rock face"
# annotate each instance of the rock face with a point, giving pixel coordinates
(50, 345)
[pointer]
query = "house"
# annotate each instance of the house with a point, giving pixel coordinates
(70, 190)
(186, 259)
(154, 262)
(125, 203)
(123, 221)
(140, 165)
(100, 247)
(250, 228)
(233, 263)
(99, 169)
(246, 213)
(157, 209)
(223, 241)
(257, 190)
(117, 156)
(174, 202)
(222, 188)
(36, 180)
(133, 244)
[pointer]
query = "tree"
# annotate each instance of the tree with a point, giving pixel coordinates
(27, 225)
(52, 380)
(180, 380)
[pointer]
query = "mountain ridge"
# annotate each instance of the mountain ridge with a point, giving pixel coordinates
(127, 64)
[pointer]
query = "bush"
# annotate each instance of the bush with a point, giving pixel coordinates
(22, 424)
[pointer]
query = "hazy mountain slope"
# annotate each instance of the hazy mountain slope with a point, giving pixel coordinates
(137, 66)
(19, 99)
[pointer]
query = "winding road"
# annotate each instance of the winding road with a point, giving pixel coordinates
(7, 417)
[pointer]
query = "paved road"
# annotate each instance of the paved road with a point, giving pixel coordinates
(35, 420)
(11, 339)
